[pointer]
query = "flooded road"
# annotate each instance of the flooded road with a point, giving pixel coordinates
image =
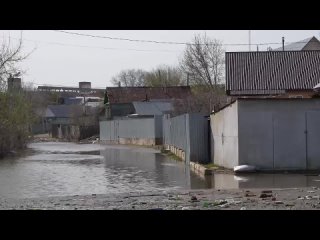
(66, 169)
(60, 169)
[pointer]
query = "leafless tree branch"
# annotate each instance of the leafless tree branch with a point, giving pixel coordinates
(10, 56)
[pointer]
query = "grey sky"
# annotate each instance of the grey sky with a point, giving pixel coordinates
(54, 62)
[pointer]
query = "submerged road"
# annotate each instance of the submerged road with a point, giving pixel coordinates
(60, 175)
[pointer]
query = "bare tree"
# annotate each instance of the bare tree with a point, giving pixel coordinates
(163, 76)
(15, 109)
(129, 78)
(10, 57)
(203, 62)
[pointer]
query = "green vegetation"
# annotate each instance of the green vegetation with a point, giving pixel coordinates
(211, 166)
(170, 155)
(15, 107)
(15, 118)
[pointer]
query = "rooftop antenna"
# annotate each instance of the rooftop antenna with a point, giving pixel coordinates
(249, 40)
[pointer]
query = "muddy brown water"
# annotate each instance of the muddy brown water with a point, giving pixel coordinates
(61, 169)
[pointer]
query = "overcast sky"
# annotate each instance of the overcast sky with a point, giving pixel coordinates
(64, 59)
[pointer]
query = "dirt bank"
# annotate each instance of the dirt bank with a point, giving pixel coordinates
(244, 199)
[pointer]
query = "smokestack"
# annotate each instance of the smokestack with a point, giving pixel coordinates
(282, 43)
(85, 85)
(14, 83)
(187, 79)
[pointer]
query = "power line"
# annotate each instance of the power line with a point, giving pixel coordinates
(142, 50)
(96, 47)
(160, 42)
(114, 38)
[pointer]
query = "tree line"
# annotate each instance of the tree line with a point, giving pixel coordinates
(201, 67)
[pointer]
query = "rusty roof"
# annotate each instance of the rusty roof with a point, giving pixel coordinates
(131, 94)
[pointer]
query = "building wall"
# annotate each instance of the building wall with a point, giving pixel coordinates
(224, 127)
(280, 134)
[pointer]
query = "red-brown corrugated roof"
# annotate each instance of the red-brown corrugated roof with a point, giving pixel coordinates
(130, 94)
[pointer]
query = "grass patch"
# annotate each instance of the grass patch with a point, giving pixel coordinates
(173, 156)
(165, 151)
(169, 154)
(211, 166)
(206, 204)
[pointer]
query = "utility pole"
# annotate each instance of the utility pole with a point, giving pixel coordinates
(187, 79)
(168, 77)
(249, 40)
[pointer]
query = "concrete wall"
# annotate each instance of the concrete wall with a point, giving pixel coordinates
(279, 134)
(224, 127)
(141, 131)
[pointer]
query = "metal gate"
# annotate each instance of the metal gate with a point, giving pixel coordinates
(289, 141)
(313, 139)
(297, 141)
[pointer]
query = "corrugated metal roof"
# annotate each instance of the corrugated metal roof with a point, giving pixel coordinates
(63, 111)
(153, 108)
(269, 72)
(301, 45)
(297, 46)
(75, 101)
(121, 109)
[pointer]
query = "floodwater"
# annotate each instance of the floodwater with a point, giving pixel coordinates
(61, 169)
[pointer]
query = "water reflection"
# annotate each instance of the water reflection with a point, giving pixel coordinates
(154, 168)
(262, 180)
(58, 169)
